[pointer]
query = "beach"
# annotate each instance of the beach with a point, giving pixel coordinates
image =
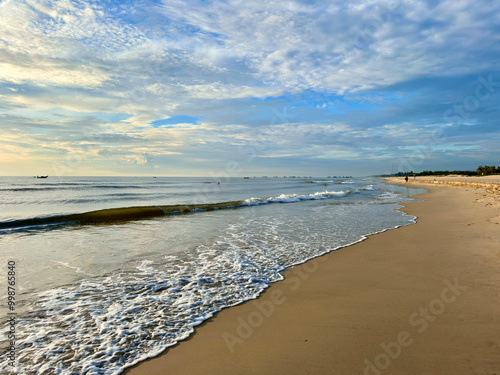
(420, 299)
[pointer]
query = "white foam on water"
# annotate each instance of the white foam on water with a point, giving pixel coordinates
(144, 266)
(388, 195)
(102, 325)
(291, 198)
(76, 269)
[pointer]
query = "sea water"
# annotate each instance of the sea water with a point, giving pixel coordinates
(101, 286)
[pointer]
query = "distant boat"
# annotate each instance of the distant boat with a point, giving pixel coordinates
(42, 176)
(246, 178)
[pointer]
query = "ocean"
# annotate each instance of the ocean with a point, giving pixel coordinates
(109, 271)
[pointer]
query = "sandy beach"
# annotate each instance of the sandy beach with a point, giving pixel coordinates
(421, 299)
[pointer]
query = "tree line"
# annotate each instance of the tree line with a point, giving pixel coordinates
(482, 170)
(488, 169)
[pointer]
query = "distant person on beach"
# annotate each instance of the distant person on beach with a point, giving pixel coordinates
(406, 179)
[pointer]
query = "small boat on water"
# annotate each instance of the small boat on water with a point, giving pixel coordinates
(246, 178)
(42, 176)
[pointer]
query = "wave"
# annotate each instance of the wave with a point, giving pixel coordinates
(46, 187)
(291, 198)
(388, 195)
(30, 189)
(115, 214)
(145, 212)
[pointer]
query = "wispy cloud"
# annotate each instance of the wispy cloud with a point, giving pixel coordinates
(314, 82)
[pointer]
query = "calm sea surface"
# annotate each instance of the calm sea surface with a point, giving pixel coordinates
(97, 292)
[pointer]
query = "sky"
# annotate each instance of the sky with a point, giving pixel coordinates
(248, 87)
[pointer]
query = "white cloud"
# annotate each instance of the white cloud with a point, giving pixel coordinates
(69, 67)
(217, 90)
(140, 159)
(289, 44)
(51, 73)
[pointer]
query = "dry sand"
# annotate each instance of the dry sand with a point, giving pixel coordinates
(422, 299)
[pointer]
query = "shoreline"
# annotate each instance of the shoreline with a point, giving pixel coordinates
(419, 299)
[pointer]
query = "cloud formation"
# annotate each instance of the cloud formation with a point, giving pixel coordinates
(330, 87)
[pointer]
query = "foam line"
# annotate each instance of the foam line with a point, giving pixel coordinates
(137, 213)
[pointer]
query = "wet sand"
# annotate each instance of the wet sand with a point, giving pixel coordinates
(421, 299)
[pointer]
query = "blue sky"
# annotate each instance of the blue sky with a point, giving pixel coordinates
(236, 88)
